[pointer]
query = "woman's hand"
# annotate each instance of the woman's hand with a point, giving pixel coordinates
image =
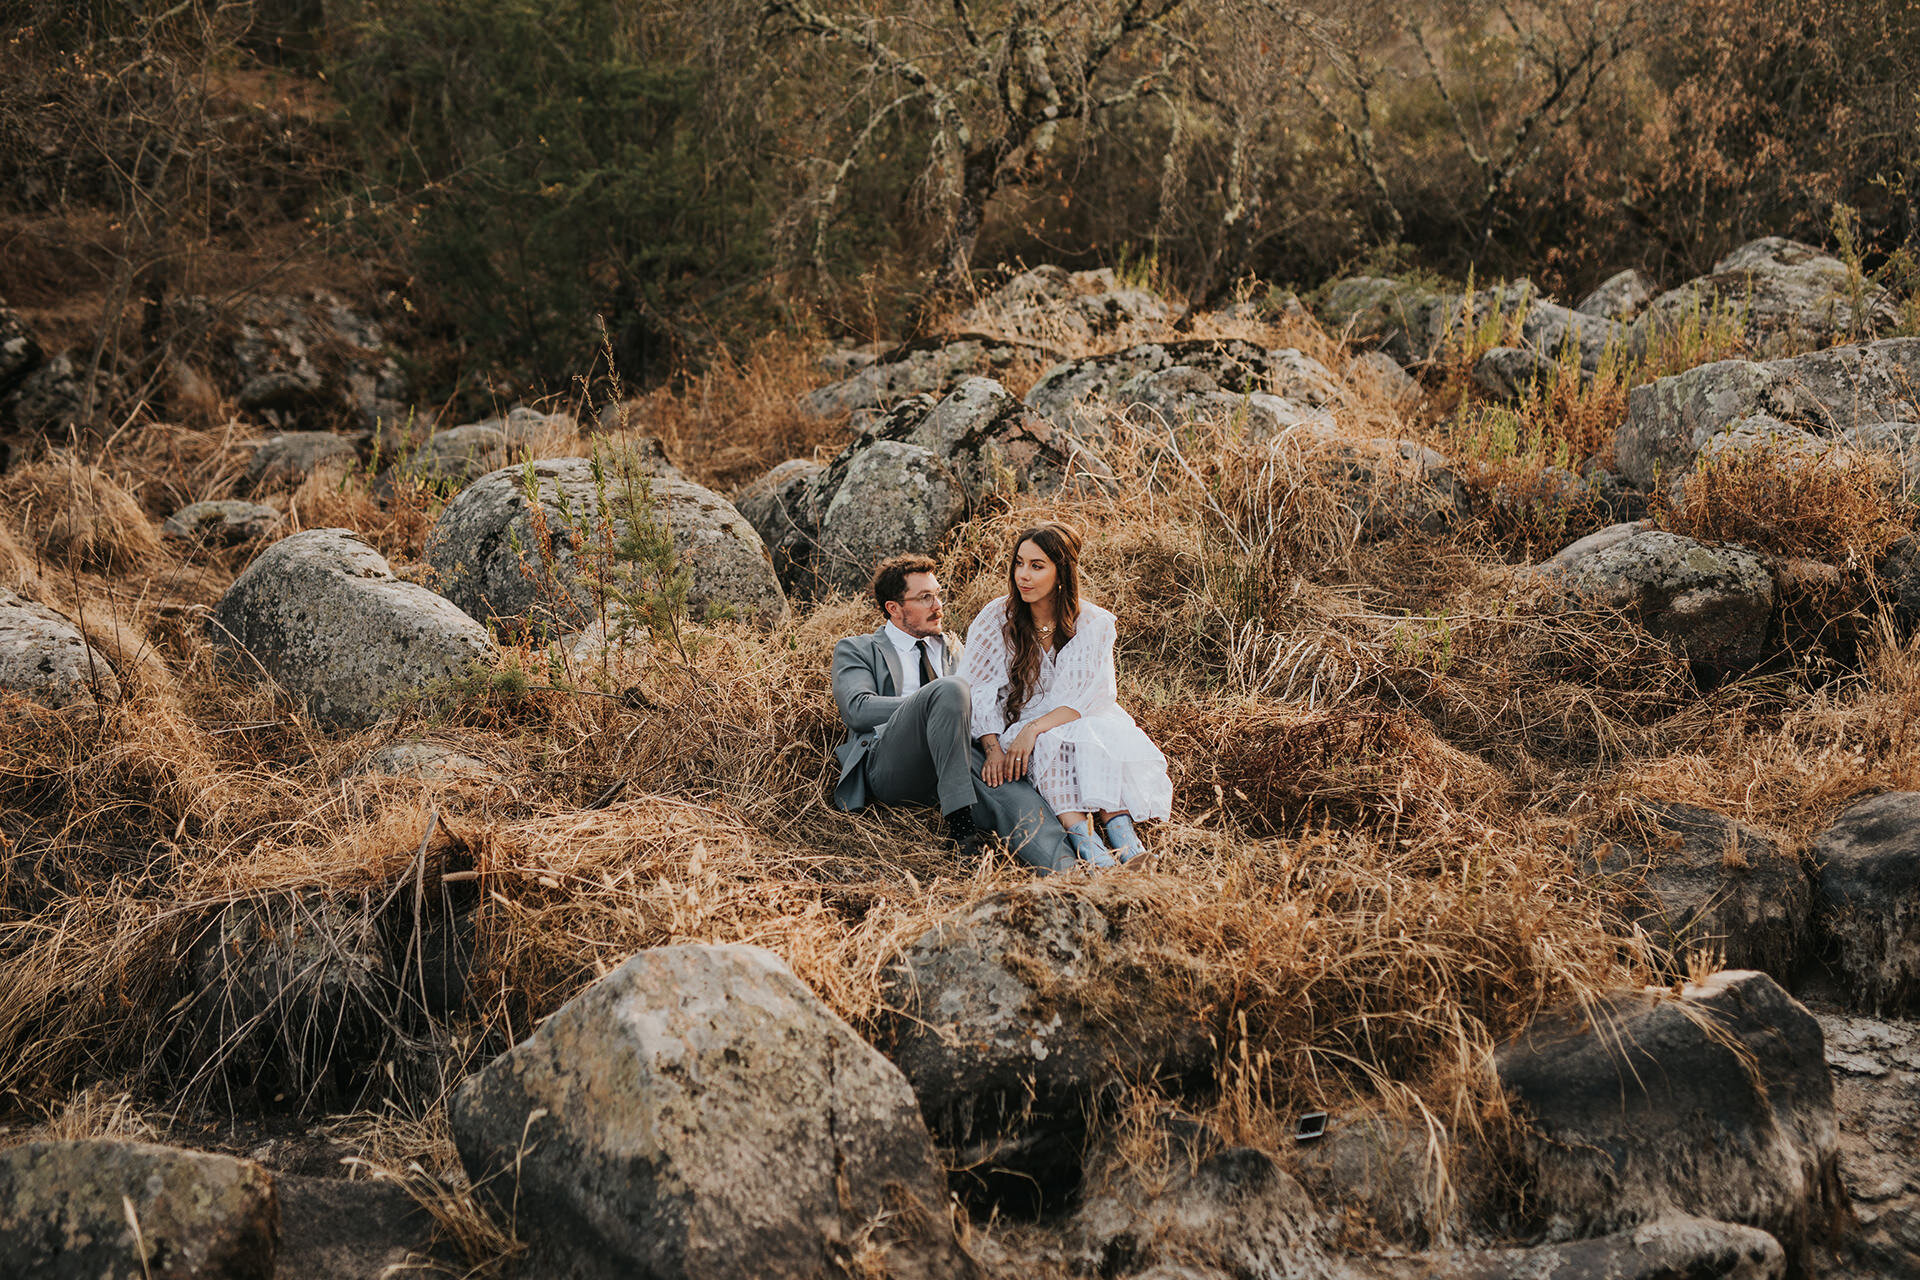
(994, 772)
(1020, 752)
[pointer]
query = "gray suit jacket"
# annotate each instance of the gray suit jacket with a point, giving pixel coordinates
(866, 684)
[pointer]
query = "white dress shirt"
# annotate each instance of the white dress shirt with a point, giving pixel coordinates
(903, 644)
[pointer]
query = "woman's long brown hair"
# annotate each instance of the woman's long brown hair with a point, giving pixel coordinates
(1059, 543)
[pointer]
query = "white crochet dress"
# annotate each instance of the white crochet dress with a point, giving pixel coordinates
(1102, 761)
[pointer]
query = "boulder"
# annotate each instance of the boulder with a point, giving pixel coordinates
(1694, 878)
(1783, 291)
(893, 498)
(1876, 1091)
(931, 366)
(1300, 378)
(1899, 570)
(1621, 296)
(457, 456)
(1673, 1247)
(1172, 397)
(1236, 367)
(1412, 322)
(1211, 1209)
(1867, 874)
(1048, 304)
(292, 986)
(1717, 1103)
(1009, 1020)
(221, 522)
(1763, 434)
(700, 1113)
(1381, 374)
(913, 475)
(1824, 392)
(492, 562)
(776, 505)
(996, 446)
(44, 659)
(453, 458)
(1556, 332)
(105, 1210)
(1512, 373)
(285, 460)
(1713, 603)
(321, 613)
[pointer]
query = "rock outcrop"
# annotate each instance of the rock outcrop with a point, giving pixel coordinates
(1050, 305)
(1876, 1091)
(909, 478)
(1781, 290)
(307, 361)
(700, 1113)
(287, 459)
(1713, 603)
(221, 522)
(1621, 296)
(1826, 393)
(893, 497)
(494, 563)
(1718, 1104)
(929, 367)
(1673, 1247)
(321, 614)
(1867, 869)
(1697, 880)
(1001, 1021)
(1235, 367)
(1224, 1210)
(104, 1210)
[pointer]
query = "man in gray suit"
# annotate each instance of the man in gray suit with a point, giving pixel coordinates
(909, 726)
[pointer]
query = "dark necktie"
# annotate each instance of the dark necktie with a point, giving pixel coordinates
(927, 676)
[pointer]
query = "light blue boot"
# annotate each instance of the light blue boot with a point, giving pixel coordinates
(1087, 846)
(1124, 839)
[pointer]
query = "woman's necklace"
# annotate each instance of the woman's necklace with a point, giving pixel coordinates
(1047, 630)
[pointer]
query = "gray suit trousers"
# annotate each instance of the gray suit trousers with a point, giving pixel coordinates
(926, 755)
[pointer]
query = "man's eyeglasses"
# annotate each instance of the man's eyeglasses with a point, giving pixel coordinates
(924, 598)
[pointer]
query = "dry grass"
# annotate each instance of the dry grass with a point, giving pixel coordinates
(1383, 754)
(79, 516)
(1837, 507)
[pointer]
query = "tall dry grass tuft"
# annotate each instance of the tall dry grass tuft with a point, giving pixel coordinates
(79, 516)
(1837, 506)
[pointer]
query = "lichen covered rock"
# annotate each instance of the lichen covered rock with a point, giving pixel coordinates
(700, 1113)
(105, 1210)
(492, 562)
(321, 613)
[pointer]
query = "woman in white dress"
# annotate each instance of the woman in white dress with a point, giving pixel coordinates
(1040, 661)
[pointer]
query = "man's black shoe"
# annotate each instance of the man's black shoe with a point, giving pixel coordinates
(963, 832)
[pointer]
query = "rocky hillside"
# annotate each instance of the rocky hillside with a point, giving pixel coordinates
(414, 845)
